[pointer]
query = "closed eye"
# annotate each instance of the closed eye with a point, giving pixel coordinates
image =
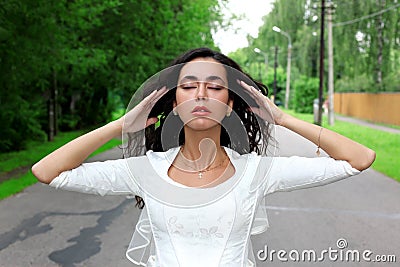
(211, 86)
(188, 86)
(215, 86)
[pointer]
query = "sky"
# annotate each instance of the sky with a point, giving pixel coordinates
(253, 11)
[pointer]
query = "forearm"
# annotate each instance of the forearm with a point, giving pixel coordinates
(72, 154)
(337, 146)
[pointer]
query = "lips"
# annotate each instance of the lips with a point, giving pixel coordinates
(201, 110)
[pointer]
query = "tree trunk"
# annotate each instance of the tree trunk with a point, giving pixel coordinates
(55, 108)
(379, 28)
(50, 108)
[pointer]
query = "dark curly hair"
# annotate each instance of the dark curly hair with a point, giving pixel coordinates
(257, 135)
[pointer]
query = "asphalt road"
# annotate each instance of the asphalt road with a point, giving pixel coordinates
(46, 227)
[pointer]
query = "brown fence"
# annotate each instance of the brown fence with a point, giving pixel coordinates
(382, 107)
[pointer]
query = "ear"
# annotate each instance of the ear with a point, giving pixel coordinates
(174, 108)
(230, 104)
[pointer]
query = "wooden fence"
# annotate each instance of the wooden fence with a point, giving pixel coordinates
(381, 107)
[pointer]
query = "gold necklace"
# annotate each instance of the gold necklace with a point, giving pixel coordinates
(201, 172)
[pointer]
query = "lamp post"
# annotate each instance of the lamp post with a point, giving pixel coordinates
(259, 51)
(277, 29)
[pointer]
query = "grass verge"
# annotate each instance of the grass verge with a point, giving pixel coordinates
(34, 152)
(386, 145)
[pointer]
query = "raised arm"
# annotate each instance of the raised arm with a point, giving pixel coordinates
(335, 145)
(73, 154)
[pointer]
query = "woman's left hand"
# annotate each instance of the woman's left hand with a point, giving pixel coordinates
(266, 109)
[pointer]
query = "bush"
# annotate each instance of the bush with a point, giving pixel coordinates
(305, 91)
(362, 83)
(391, 83)
(19, 125)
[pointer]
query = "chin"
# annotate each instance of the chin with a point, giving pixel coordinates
(202, 124)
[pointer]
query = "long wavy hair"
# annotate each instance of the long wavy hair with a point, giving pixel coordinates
(257, 135)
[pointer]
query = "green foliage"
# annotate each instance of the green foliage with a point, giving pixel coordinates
(305, 91)
(391, 82)
(254, 64)
(307, 51)
(19, 124)
(363, 50)
(362, 83)
(358, 46)
(90, 54)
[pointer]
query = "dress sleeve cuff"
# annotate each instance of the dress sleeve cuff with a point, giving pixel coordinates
(58, 181)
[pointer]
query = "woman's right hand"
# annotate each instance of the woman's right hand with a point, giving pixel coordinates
(137, 118)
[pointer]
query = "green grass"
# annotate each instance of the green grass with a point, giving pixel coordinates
(386, 145)
(34, 152)
(15, 185)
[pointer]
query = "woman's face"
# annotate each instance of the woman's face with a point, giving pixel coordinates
(202, 98)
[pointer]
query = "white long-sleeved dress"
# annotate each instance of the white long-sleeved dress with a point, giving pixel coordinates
(184, 226)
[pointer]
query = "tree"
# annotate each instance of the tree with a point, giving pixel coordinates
(366, 48)
(88, 56)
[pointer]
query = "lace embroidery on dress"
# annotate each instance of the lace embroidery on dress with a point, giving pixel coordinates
(141, 248)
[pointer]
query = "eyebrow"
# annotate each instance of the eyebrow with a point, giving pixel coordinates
(209, 78)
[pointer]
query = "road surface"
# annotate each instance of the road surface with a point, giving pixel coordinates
(46, 227)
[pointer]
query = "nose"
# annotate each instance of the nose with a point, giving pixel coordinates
(201, 92)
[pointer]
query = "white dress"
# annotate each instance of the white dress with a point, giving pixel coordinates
(216, 233)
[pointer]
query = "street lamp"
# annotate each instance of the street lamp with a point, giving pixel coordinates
(277, 29)
(259, 51)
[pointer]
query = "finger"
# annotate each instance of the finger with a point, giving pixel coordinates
(156, 95)
(255, 110)
(250, 89)
(149, 101)
(161, 93)
(259, 111)
(263, 114)
(244, 85)
(161, 90)
(151, 121)
(148, 98)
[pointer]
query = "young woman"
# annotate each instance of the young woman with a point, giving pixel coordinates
(200, 160)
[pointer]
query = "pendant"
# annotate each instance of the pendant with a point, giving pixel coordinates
(200, 174)
(318, 152)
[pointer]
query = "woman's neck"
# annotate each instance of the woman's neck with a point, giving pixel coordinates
(203, 147)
